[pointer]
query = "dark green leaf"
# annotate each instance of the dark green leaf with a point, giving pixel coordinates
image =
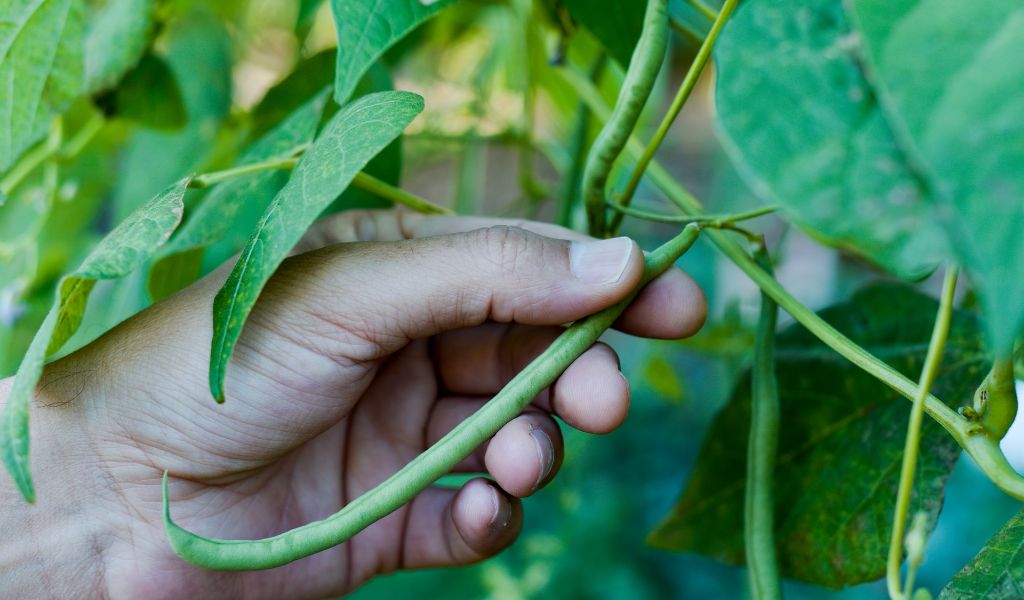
(115, 39)
(149, 95)
(840, 444)
(122, 251)
(997, 572)
(353, 136)
(617, 23)
(959, 109)
(40, 67)
(806, 132)
(366, 29)
(234, 207)
(309, 77)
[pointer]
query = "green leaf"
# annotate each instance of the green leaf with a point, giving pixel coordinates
(997, 572)
(959, 110)
(616, 23)
(149, 95)
(40, 69)
(840, 444)
(305, 81)
(123, 250)
(805, 131)
(233, 207)
(115, 39)
(352, 137)
(366, 29)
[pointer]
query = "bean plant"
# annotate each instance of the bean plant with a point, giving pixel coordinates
(889, 129)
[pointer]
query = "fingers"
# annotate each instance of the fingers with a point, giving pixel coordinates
(388, 294)
(458, 527)
(591, 395)
(522, 457)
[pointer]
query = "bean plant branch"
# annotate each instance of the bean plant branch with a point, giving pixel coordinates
(913, 440)
(438, 460)
(51, 149)
(708, 220)
(682, 95)
(762, 444)
(363, 181)
(983, 448)
(703, 9)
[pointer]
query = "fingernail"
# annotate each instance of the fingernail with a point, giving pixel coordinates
(546, 453)
(502, 511)
(601, 261)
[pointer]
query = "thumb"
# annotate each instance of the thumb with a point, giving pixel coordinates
(387, 294)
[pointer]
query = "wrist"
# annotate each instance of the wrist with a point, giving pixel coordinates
(53, 547)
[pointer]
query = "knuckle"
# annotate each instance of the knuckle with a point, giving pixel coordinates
(509, 249)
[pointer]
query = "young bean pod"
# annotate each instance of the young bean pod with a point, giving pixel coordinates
(425, 469)
(995, 401)
(640, 76)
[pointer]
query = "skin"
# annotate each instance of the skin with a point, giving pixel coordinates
(357, 356)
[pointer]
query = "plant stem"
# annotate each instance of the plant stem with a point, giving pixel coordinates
(704, 9)
(913, 439)
(398, 195)
(709, 220)
(439, 459)
(48, 149)
(577, 153)
(983, 449)
(758, 522)
(361, 180)
(682, 95)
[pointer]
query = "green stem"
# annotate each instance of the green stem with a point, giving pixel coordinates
(710, 220)
(682, 95)
(577, 153)
(758, 526)
(704, 9)
(913, 440)
(438, 460)
(362, 180)
(398, 195)
(50, 148)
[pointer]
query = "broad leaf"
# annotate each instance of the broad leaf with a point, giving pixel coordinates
(149, 95)
(960, 112)
(617, 23)
(805, 130)
(840, 444)
(997, 572)
(353, 136)
(366, 29)
(116, 37)
(122, 251)
(233, 207)
(40, 69)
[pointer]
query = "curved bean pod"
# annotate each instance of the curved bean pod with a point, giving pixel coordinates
(640, 76)
(425, 469)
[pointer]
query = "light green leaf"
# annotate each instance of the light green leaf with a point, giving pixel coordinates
(115, 39)
(840, 445)
(123, 250)
(805, 131)
(958, 107)
(352, 137)
(233, 207)
(40, 69)
(366, 29)
(997, 572)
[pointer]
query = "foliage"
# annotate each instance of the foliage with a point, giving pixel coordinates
(890, 132)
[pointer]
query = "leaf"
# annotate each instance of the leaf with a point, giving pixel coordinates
(366, 29)
(115, 39)
(148, 95)
(840, 444)
(123, 250)
(353, 136)
(959, 110)
(805, 131)
(997, 572)
(305, 81)
(40, 69)
(234, 206)
(616, 23)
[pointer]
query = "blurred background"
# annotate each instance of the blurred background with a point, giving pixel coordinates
(495, 139)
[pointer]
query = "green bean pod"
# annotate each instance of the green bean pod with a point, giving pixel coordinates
(425, 469)
(640, 77)
(762, 444)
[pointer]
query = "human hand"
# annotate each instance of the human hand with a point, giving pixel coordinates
(356, 358)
